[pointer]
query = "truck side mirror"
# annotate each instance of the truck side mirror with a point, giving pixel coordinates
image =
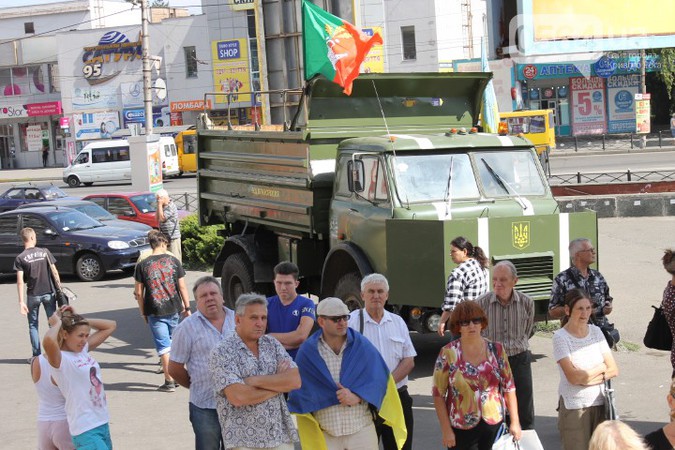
(356, 178)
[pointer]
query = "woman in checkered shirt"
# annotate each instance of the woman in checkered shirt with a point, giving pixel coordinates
(468, 281)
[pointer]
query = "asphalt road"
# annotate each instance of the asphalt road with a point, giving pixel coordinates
(613, 162)
(630, 250)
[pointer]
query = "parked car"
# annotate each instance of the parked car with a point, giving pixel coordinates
(80, 244)
(135, 206)
(29, 193)
(94, 211)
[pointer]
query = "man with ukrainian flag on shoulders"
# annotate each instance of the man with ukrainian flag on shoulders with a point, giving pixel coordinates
(344, 378)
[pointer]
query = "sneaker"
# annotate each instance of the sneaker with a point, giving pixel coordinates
(168, 386)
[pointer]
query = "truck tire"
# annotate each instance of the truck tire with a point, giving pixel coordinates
(236, 278)
(73, 181)
(348, 289)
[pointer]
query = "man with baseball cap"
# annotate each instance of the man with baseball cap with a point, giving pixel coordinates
(345, 382)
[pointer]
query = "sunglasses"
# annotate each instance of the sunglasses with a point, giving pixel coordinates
(475, 321)
(337, 319)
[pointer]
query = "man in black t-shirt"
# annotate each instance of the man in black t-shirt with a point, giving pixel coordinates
(162, 296)
(33, 267)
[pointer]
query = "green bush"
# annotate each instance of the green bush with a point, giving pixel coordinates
(200, 244)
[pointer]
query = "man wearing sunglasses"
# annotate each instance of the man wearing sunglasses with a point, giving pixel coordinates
(390, 336)
(510, 315)
(344, 378)
(581, 276)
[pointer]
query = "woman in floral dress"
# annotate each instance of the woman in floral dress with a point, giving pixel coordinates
(472, 381)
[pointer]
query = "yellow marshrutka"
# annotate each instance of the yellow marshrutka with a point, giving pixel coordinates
(311, 436)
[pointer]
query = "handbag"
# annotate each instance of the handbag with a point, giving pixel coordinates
(658, 335)
(65, 296)
(610, 405)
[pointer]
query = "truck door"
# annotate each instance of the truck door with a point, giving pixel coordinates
(360, 209)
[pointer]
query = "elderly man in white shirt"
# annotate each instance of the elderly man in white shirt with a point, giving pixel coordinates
(390, 335)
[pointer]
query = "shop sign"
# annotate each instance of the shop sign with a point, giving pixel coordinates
(588, 105)
(605, 67)
(160, 116)
(231, 76)
(34, 138)
(530, 71)
(190, 105)
(44, 109)
(621, 90)
(241, 5)
(176, 118)
(374, 61)
(100, 125)
(103, 62)
(13, 112)
(642, 113)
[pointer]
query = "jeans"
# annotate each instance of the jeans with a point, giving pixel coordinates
(206, 428)
(33, 303)
(162, 330)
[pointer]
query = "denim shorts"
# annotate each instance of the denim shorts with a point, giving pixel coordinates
(162, 329)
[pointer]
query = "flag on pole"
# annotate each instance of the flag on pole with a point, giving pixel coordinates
(490, 110)
(333, 48)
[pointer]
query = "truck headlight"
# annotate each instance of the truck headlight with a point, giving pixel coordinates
(118, 245)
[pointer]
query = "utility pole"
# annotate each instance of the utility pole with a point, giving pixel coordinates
(147, 78)
(643, 89)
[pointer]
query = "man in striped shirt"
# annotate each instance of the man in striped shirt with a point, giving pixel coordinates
(510, 320)
(193, 340)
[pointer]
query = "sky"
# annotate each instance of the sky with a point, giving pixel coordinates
(194, 4)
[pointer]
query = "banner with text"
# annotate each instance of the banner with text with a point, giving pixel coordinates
(230, 70)
(100, 125)
(621, 90)
(588, 105)
(374, 62)
(642, 113)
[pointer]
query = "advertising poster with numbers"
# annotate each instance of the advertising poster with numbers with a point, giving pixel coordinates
(588, 105)
(621, 90)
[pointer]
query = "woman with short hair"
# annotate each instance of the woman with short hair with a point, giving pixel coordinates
(472, 380)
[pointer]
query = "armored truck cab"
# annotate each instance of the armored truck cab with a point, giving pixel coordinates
(381, 181)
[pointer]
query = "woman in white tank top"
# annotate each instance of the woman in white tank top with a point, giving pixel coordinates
(66, 347)
(52, 424)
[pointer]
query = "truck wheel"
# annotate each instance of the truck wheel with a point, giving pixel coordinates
(348, 289)
(73, 181)
(89, 267)
(236, 278)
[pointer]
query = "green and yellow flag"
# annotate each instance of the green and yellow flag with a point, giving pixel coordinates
(333, 48)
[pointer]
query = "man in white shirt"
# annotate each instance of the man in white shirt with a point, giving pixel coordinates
(390, 335)
(192, 343)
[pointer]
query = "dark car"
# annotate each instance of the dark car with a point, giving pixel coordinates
(30, 193)
(94, 211)
(135, 206)
(80, 244)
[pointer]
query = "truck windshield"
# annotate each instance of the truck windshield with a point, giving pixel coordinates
(427, 178)
(509, 173)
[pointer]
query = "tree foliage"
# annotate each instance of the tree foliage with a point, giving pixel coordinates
(667, 72)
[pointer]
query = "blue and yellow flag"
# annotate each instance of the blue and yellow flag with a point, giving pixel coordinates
(490, 110)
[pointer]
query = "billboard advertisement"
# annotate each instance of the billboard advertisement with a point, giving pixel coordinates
(99, 125)
(161, 116)
(621, 90)
(374, 61)
(588, 105)
(230, 70)
(94, 97)
(576, 26)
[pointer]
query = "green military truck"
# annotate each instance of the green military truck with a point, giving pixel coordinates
(381, 181)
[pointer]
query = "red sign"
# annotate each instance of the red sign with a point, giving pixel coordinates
(64, 122)
(190, 105)
(529, 71)
(176, 118)
(44, 109)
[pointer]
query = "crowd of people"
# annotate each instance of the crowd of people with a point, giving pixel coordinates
(259, 378)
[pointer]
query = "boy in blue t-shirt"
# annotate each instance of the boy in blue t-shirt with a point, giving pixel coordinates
(290, 317)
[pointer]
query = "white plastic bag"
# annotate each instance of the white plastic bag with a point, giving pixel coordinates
(528, 441)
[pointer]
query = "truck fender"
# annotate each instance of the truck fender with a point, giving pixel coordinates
(232, 245)
(343, 259)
